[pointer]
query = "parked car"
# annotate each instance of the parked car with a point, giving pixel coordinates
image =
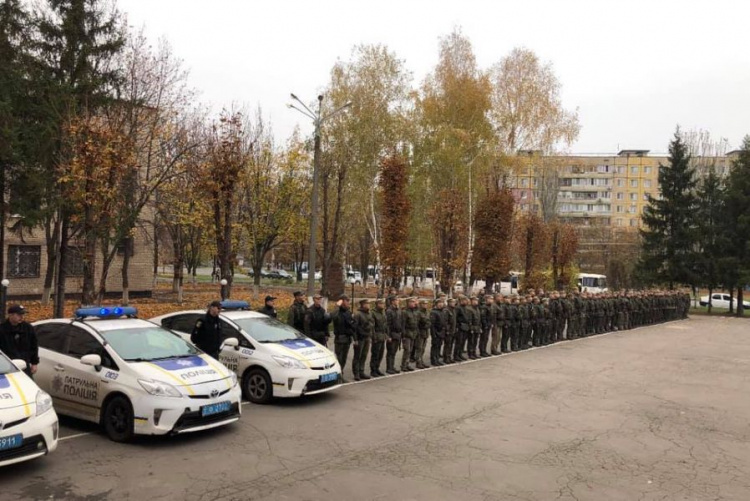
(132, 376)
(28, 423)
(271, 359)
(279, 275)
(458, 287)
(354, 277)
(720, 300)
(263, 273)
(318, 275)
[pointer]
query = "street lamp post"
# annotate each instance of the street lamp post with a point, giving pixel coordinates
(318, 119)
(223, 288)
(3, 294)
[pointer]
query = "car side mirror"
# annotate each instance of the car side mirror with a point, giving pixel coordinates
(20, 364)
(93, 360)
(232, 342)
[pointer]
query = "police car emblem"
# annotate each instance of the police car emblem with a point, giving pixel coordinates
(185, 363)
(214, 393)
(300, 343)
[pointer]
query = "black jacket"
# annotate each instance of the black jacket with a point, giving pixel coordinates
(19, 342)
(316, 321)
(206, 334)
(268, 310)
(344, 326)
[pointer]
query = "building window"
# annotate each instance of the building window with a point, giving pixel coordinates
(647, 183)
(634, 183)
(634, 171)
(618, 221)
(525, 182)
(646, 196)
(524, 194)
(633, 222)
(605, 194)
(620, 196)
(74, 265)
(619, 208)
(621, 169)
(647, 170)
(24, 261)
(632, 209)
(620, 183)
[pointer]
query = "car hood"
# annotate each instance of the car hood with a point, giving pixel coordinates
(17, 396)
(184, 373)
(305, 350)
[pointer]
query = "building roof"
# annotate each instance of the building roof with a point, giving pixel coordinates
(639, 153)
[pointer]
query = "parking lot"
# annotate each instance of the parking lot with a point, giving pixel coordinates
(654, 413)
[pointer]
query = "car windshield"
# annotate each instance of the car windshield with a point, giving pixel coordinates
(267, 330)
(6, 366)
(147, 343)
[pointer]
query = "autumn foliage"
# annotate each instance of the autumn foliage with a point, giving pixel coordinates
(394, 216)
(450, 225)
(493, 222)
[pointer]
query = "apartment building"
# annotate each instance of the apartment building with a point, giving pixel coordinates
(593, 189)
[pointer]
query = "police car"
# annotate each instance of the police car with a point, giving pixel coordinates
(132, 376)
(272, 359)
(28, 424)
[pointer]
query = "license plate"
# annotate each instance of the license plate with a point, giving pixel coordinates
(327, 378)
(11, 442)
(218, 408)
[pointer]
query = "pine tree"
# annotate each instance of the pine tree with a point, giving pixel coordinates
(738, 221)
(710, 217)
(669, 236)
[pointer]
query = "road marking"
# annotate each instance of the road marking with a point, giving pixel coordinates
(75, 436)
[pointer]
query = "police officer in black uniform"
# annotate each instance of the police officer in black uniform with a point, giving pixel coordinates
(268, 308)
(297, 312)
(206, 334)
(316, 321)
(18, 339)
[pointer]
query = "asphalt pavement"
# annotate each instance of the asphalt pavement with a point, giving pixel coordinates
(648, 414)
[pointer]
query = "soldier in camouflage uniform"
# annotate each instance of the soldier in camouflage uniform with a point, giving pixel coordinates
(463, 328)
(536, 319)
(395, 332)
(411, 331)
(365, 331)
(423, 334)
(497, 311)
(524, 310)
(379, 337)
(476, 328)
(488, 324)
(344, 331)
(514, 317)
(437, 331)
(449, 318)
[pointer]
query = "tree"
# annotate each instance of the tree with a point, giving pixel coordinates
(227, 155)
(710, 218)
(669, 233)
(450, 227)
(494, 224)
(564, 246)
(738, 221)
(76, 49)
(14, 34)
(395, 213)
(275, 186)
(527, 111)
(532, 245)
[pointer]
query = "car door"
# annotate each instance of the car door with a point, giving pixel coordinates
(182, 323)
(235, 359)
(52, 343)
(82, 385)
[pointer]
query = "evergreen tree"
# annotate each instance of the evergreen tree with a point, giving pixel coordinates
(77, 47)
(14, 33)
(738, 221)
(669, 236)
(710, 218)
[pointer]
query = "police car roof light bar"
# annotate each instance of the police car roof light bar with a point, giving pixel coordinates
(106, 312)
(229, 304)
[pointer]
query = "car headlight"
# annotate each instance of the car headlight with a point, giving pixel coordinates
(234, 379)
(43, 402)
(159, 388)
(289, 362)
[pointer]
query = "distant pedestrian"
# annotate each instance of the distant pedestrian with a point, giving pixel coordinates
(18, 339)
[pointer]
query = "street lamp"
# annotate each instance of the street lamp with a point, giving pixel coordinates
(318, 120)
(223, 288)
(3, 294)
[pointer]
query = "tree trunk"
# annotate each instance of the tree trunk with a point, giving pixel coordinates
(710, 302)
(740, 298)
(62, 261)
(125, 273)
(257, 267)
(53, 245)
(178, 262)
(731, 300)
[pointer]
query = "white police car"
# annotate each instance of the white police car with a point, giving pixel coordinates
(272, 359)
(28, 424)
(132, 376)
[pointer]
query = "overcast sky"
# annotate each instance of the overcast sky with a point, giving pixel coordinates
(634, 69)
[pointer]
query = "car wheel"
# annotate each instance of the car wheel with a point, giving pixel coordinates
(118, 419)
(256, 386)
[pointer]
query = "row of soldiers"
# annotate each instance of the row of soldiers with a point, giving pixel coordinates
(476, 326)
